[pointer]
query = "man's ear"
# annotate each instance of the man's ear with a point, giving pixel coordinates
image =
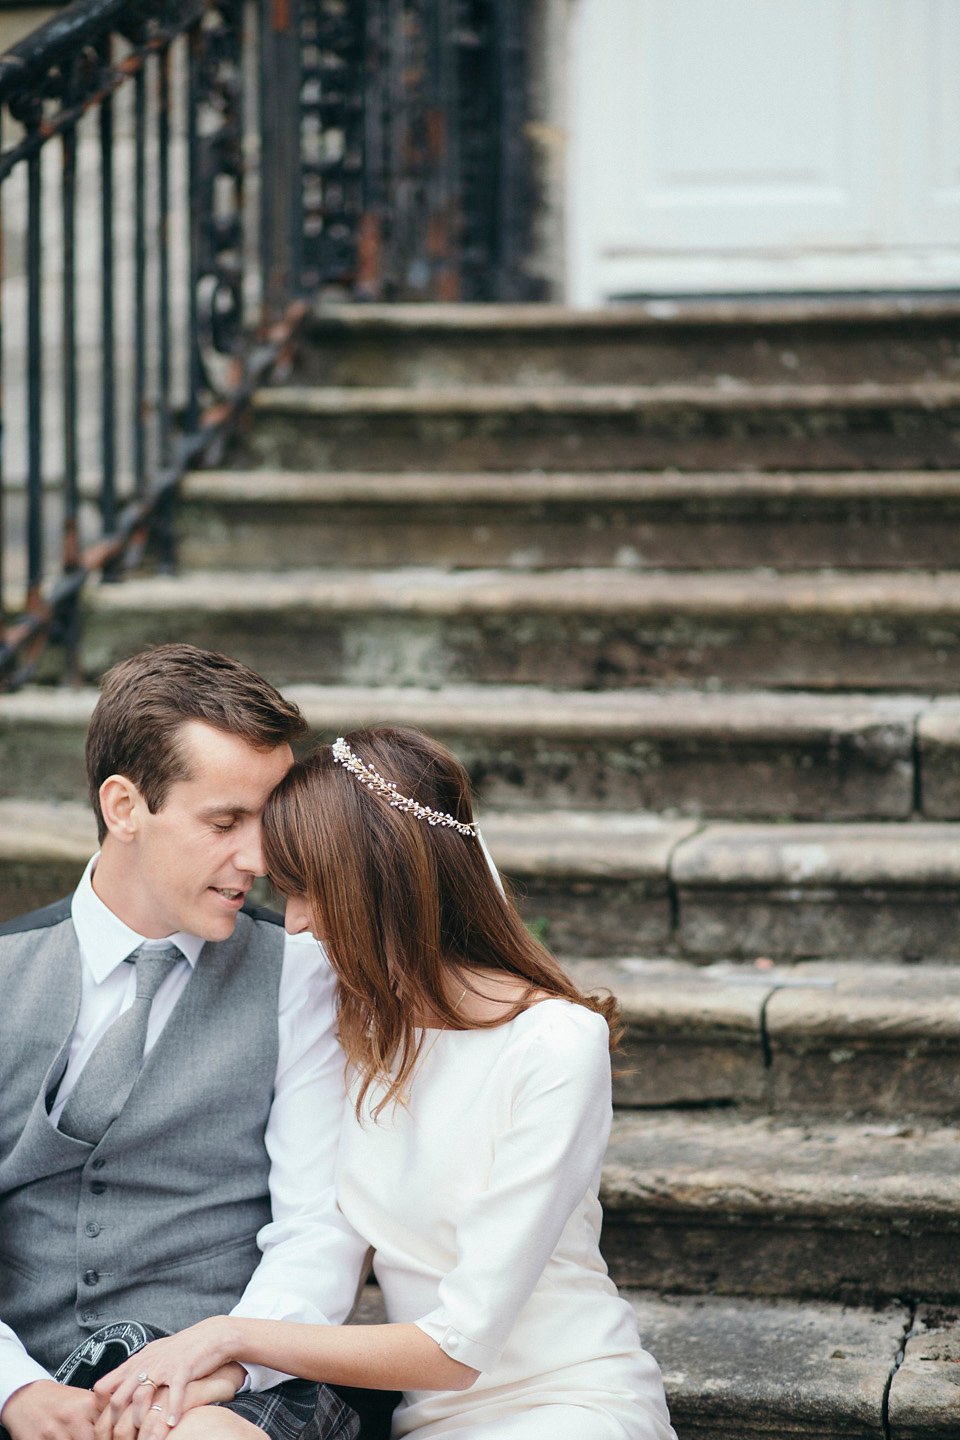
(120, 804)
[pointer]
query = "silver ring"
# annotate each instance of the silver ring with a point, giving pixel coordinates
(157, 1407)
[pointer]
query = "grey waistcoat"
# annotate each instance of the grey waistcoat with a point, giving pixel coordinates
(156, 1222)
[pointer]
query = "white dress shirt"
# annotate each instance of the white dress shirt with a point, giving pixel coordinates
(309, 1267)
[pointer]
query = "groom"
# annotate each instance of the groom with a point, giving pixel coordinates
(171, 1082)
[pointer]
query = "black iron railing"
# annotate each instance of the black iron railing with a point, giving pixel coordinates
(176, 177)
(122, 194)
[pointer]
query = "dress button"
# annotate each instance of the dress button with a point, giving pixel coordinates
(92, 1228)
(97, 1188)
(97, 1164)
(91, 1278)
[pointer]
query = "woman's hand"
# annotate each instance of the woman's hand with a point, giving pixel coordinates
(223, 1384)
(172, 1363)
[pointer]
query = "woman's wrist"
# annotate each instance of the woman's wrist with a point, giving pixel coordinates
(228, 1340)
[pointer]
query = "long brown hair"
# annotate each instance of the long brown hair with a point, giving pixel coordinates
(402, 906)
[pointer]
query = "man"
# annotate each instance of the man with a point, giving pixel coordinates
(142, 1165)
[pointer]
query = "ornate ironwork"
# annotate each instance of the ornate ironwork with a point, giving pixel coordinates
(218, 168)
(182, 63)
(414, 160)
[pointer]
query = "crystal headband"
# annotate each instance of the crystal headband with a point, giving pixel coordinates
(373, 780)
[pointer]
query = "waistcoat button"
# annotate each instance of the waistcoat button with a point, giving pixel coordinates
(91, 1278)
(87, 1315)
(97, 1164)
(97, 1188)
(92, 1228)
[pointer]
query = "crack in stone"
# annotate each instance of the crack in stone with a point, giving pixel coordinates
(908, 1332)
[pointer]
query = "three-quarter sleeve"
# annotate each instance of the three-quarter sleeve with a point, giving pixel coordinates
(545, 1159)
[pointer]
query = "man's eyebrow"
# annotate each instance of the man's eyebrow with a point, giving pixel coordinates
(227, 809)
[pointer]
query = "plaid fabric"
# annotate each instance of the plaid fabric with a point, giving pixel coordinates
(297, 1410)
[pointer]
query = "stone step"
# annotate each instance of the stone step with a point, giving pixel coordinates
(923, 1394)
(732, 425)
(777, 1369)
(44, 846)
(838, 1038)
(764, 754)
(767, 1370)
(758, 754)
(627, 884)
(256, 520)
(836, 1210)
(607, 884)
(762, 339)
(796, 891)
(579, 629)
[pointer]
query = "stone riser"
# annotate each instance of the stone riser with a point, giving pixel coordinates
(593, 649)
(760, 755)
(33, 882)
(769, 779)
(847, 1078)
(602, 885)
(776, 1257)
(688, 438)
(650, 345)
(587, 916)
(828, 1038)
(859, 535)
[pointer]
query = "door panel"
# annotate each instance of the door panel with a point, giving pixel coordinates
(747, 144)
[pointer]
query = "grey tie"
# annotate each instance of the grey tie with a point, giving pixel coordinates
(110, 1074)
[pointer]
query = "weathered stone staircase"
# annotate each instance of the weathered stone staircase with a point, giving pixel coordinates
(681, 584)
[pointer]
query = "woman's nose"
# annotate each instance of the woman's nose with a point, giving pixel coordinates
(296, 918)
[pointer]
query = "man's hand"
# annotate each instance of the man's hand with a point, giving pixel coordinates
(44, 1410)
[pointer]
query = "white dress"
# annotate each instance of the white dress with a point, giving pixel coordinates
(479, 1197)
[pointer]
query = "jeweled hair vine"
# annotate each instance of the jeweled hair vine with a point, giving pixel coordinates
(373, 780)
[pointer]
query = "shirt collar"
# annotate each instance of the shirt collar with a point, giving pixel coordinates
(104, 940)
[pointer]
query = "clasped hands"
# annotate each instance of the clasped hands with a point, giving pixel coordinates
(46, 1410)
(183, 1371)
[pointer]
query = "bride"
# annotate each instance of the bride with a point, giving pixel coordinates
(471, 1151)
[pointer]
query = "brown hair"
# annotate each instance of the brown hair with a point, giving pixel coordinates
(144, 702)
(401, 905)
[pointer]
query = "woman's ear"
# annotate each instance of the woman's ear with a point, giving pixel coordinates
(119, 803)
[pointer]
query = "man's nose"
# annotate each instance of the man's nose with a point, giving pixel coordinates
(249, 854)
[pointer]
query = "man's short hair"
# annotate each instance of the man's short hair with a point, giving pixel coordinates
(145, 701)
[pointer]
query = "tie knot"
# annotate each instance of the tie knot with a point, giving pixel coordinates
(153, 964)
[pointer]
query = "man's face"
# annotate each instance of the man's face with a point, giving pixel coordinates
(189, 866)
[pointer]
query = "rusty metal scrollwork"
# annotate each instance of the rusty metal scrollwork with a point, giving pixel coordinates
(217, 165)
(413, 147)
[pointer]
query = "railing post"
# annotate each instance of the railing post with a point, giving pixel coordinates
(108, 478)
(34, 372)
(281, 183)
(3, 518)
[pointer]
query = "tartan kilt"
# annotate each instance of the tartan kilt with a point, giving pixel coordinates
(297, 1410)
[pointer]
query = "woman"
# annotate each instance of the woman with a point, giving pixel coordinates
(480, 1110)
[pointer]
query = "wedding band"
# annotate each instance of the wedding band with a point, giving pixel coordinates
(156, 1407)
(144, 1379)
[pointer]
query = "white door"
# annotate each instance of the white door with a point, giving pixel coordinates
(745, 145)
